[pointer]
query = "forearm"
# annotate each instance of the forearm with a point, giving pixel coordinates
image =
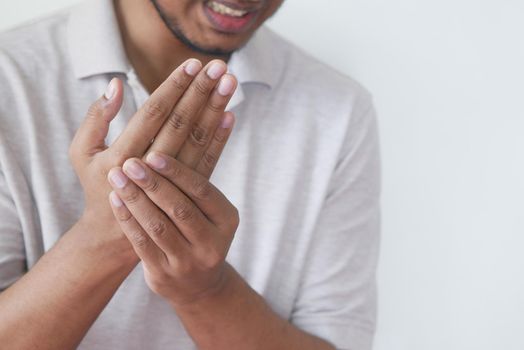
(238, 318)
(56, 302)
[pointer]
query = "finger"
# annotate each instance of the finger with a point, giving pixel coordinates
(89, 138)
(152, 220)
(209, 160)
(209, 199)
(187, 217)
(143, 246)
(204, 129)
(179, 124)
(145, 124)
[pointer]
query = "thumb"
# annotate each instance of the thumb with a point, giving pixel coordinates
(89, 138)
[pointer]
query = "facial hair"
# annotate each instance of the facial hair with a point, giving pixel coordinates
(175, 29)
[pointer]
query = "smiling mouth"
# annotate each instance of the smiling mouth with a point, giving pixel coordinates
(231, 9)
(229, 17)
(224, 9)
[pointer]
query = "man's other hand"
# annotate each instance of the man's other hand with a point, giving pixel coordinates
(181, 118)
(180, 225)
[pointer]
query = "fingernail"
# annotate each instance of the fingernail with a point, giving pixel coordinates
(193, 67)
(117, 202)
(134, 169)
(118, 178)
(228, 121)
(111, 89)
(216, 70)
(226, 86)
(156, 161)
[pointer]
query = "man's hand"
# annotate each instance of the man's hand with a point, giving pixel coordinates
(181, 116)
(180, 225)
(64, 293)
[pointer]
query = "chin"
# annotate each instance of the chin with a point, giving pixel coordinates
(217, 43)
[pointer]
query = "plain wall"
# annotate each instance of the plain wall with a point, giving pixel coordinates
(448, 81)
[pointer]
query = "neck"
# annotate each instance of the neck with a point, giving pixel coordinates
(152, 49)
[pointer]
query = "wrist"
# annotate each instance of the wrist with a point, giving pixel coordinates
(218, 294)
(106, 242)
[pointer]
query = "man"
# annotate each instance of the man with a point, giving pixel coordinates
(112, 235)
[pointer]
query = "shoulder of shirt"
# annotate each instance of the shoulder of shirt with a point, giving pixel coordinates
(34, 43)
(28, 53)
(310, 74)
(30, 50)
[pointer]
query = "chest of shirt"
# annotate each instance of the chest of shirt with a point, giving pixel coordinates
(275, 169)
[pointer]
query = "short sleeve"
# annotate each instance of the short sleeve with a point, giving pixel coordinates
(337, 297)
(12, 250)
(12, 254)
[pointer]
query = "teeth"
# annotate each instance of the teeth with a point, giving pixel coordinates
(225, 10)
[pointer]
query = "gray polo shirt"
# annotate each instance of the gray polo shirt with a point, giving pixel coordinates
(302, 167)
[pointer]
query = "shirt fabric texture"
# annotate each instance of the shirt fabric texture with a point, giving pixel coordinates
(302, 167)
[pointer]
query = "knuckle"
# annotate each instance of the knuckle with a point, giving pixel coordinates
(155, 109)
(162, 277)
(132, 197)
(210, 159)
(175, 171)
(184, 267)
(123, 216)
(201, 188)
(220, 138)
(155, 281)
(178, 84)
(93, 111)
(215, 107)
(153, 185)
(235, 218)
(199, 136)
(211, 258)
(156, 228)
(138, 238)
(200, 88)
(182, 211)
(178, 119)
(235, 213)
(158, 280)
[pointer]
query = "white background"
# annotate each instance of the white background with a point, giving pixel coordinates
(448, 80)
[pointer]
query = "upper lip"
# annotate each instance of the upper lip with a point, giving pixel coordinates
(240, 7)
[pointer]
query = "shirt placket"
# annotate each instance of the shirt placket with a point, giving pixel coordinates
(140, 94)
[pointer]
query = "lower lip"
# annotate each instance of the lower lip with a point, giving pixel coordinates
(229, 24)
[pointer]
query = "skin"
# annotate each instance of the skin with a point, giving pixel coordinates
(153, 202)
(61, 296)
(155, 59)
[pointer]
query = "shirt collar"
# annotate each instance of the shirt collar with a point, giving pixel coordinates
(94, 40)
(96, 47)
(254, 63)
